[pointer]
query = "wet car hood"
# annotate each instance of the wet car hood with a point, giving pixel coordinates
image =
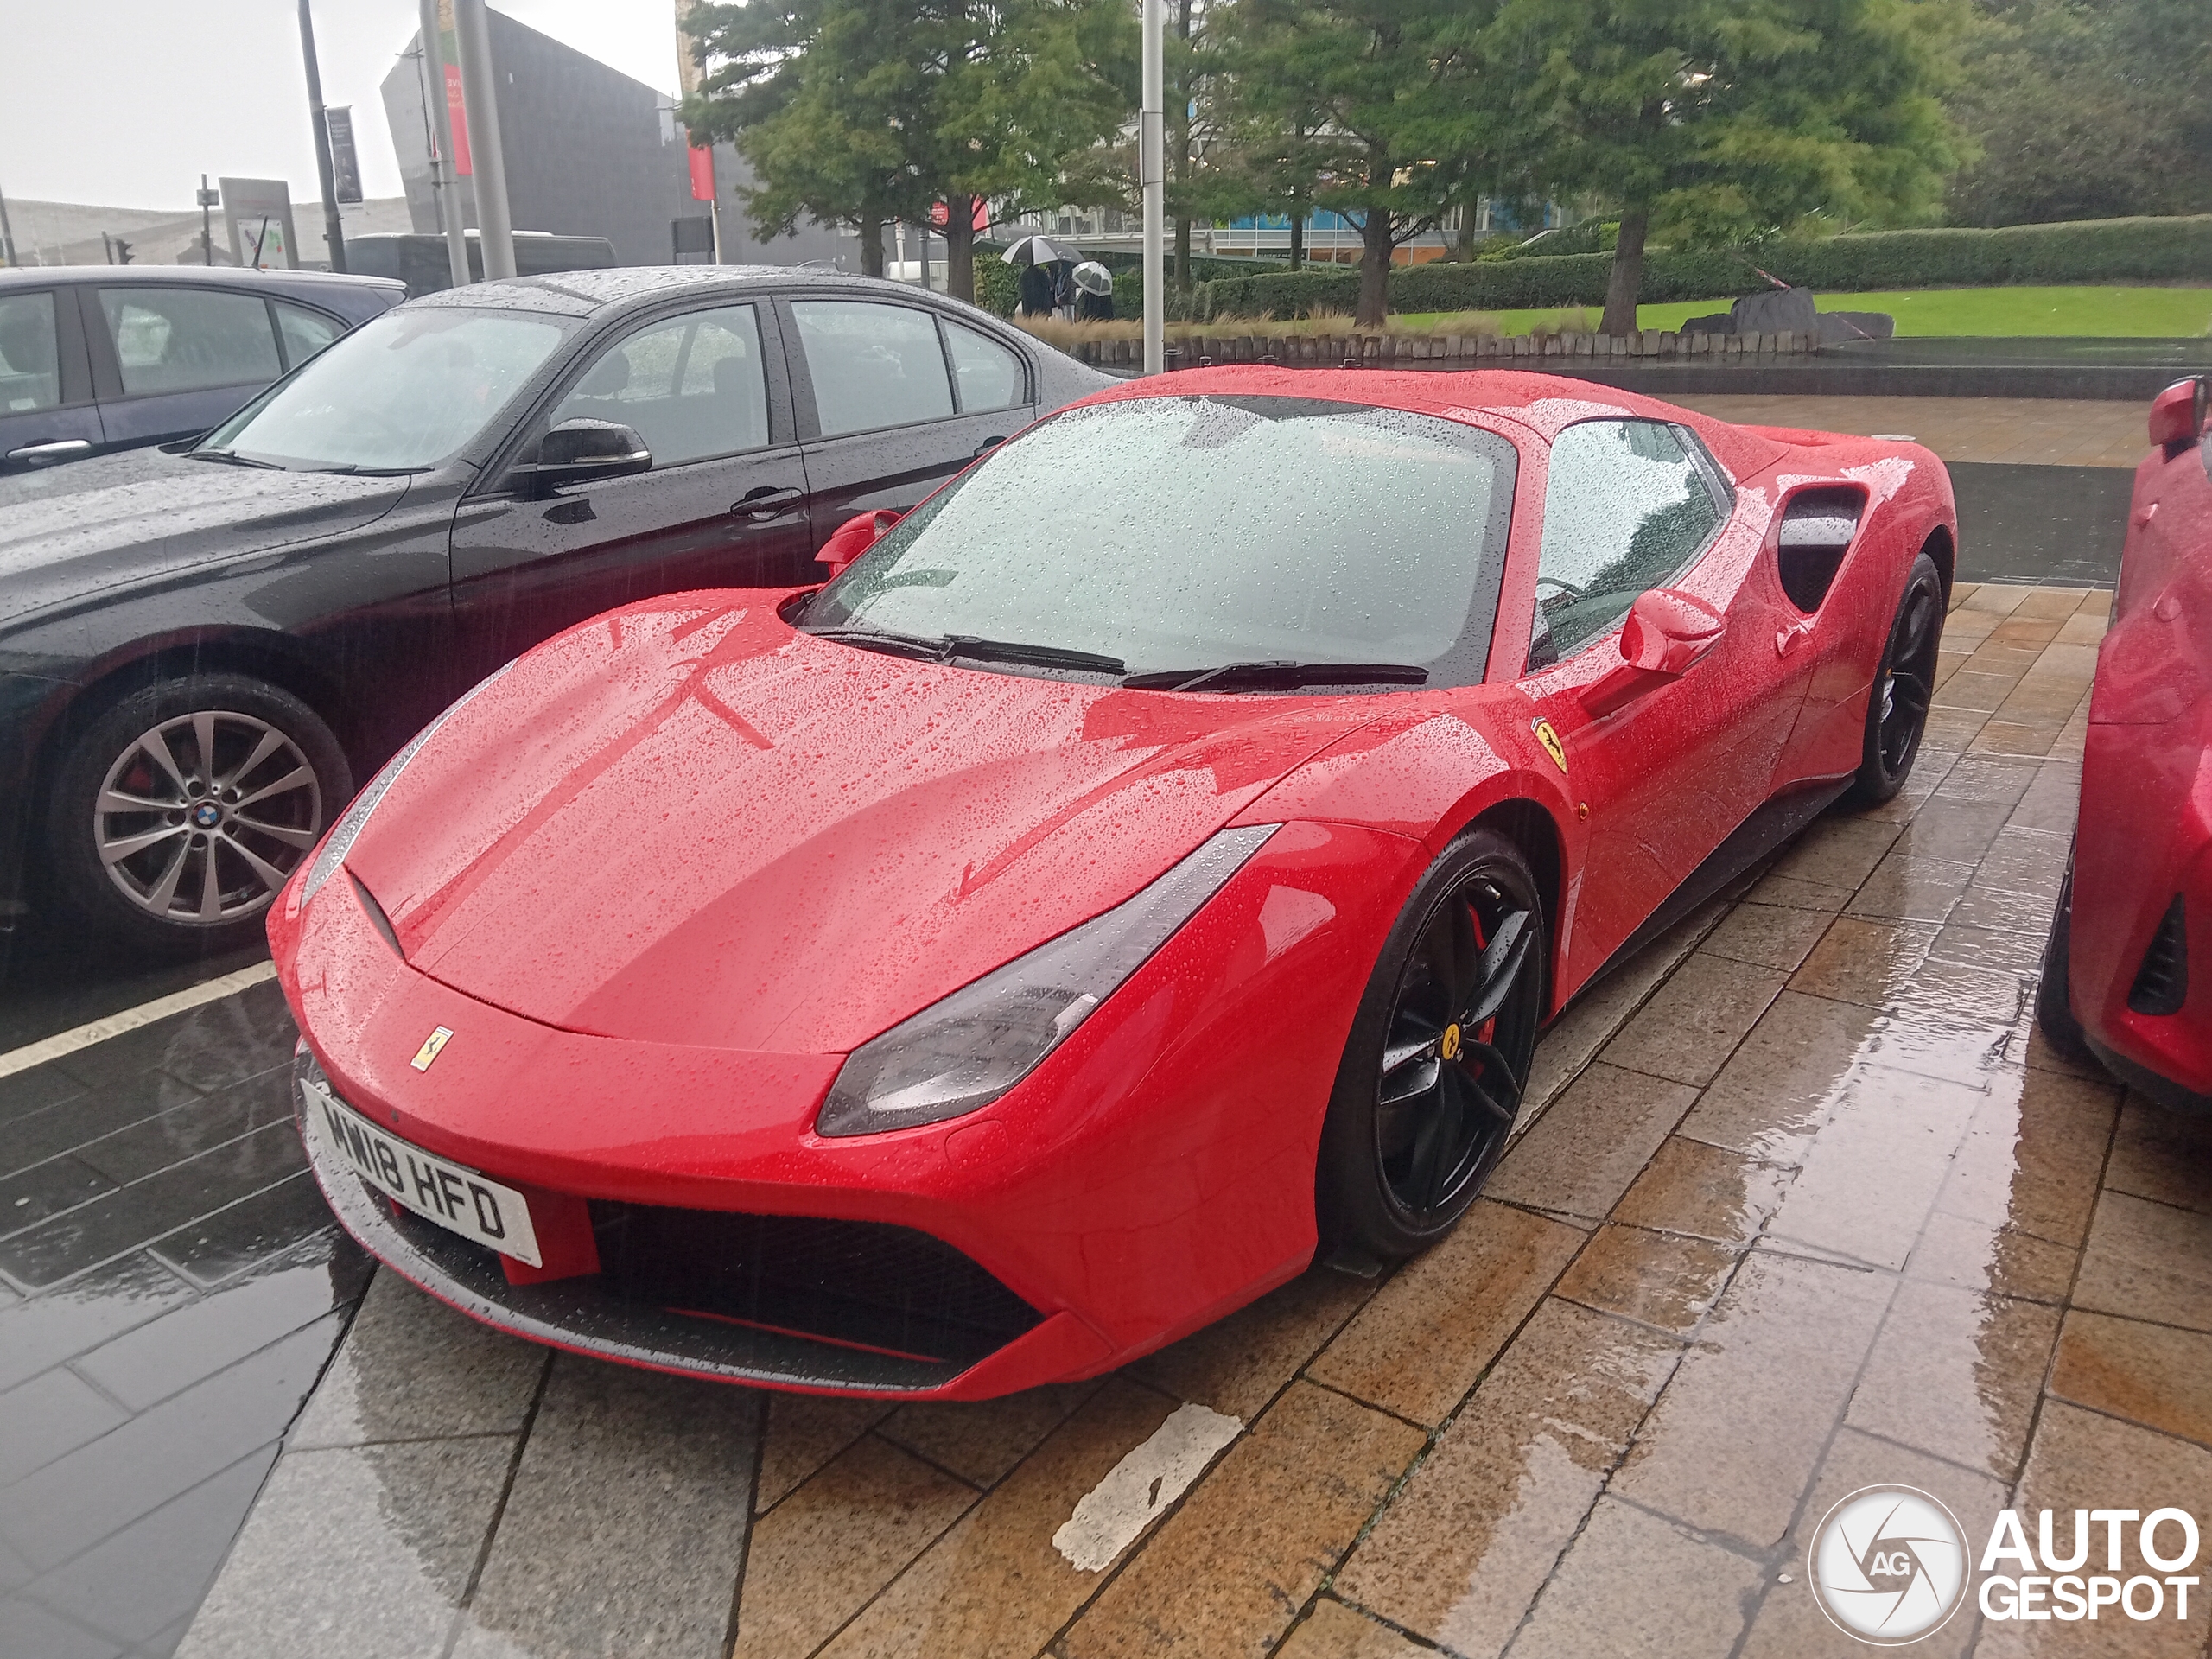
(81, 528)
(688, 824)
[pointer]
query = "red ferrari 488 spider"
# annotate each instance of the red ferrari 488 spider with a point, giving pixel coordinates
(2117, 977)
(1156, 854)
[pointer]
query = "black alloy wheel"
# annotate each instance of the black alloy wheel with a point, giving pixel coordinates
(1904, 686)
(1434, 1074)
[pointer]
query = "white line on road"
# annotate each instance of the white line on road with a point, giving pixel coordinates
(99, 1031)
(1113, 1513)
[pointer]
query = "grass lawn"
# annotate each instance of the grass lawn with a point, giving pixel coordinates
(2105, 313)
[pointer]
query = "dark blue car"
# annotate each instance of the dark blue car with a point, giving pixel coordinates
(96, 357)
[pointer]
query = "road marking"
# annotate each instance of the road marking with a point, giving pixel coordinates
(99, 1031)
(1112, 1513)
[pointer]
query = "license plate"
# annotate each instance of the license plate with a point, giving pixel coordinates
(460, 1199)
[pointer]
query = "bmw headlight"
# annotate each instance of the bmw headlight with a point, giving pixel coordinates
(340, 840)
(966, 1049)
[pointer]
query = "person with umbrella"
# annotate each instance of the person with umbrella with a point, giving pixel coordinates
(1094, 286)
(1035, 256)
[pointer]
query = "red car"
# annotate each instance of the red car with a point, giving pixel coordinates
(1156, 853)
(2116, 979)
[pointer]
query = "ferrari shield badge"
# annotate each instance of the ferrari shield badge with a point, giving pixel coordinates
(1553, 747)
(432, 1046)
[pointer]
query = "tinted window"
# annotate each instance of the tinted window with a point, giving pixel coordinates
(404, 391)
(30, 373)
(872, 365)
(987, 375)
(182, 338)
(1627, 506)
(1208, 530)
(304, 332)
(692, 387)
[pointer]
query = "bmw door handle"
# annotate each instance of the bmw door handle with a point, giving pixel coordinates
(45, 454)
(767, 502)
(986, 447)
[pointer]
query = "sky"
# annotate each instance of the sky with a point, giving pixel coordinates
(125, 102)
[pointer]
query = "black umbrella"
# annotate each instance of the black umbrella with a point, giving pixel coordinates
(1040, 251)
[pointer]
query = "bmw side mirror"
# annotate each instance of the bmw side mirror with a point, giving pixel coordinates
(2178, 416)
(582, 451)
(1665, 632)
(855, 537)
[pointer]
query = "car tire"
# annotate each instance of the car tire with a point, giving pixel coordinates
(252, 776)
(1426, 1094)
(1904, 685)
(2054, 991)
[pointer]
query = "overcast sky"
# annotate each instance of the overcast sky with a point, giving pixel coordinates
(125, 102)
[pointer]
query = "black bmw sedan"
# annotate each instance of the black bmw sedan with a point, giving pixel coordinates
(203, 646)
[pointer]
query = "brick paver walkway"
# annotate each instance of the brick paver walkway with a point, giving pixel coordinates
(1804, 1204)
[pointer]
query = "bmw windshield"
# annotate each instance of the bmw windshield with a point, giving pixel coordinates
(1218, 543)
(401, 394)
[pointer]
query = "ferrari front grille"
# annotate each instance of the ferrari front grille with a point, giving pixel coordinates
(2162, 982)
(867, 1287)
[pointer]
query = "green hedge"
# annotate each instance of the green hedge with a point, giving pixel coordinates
(2085, 252)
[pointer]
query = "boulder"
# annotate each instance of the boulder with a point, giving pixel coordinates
(1837, 327)
(1714, 322)
(1773, 310)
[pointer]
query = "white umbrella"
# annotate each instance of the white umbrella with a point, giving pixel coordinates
(1094, 278)
(1040, 251)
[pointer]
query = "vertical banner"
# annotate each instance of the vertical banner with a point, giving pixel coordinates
(345, 161)
(456, 119)
(703, 172)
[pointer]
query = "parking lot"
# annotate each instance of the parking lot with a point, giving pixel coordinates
(1801, 1202)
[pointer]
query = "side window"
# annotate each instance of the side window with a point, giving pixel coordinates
(1627, 506)
(692, 387)
(184, 339)
(304, 332)
(872, 365)
(985, 373)
(30, 375)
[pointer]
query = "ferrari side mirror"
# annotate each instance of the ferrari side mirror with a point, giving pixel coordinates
(855, 537)
(1666, 631)
(2178, 416)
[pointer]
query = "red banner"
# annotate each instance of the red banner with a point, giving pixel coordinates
(457, 119)
(940, 215)
(703, 174)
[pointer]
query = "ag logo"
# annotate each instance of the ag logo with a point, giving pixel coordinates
(1553, 747)
(1889, 1565)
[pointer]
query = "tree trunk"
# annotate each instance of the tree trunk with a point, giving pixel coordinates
(1627, 279)
(960, 247)
(871, 229)
(1183, 255)
(1374, 265)
(1297, 238)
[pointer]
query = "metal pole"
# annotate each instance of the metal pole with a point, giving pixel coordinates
(445, 183)
(7, 233)
(1151, 150)
(334, 229)
(487, 163)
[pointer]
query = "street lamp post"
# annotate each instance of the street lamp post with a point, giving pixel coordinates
(437, 113)
(1151, 166)
(487, 159)
(207, 199)
(334, 228)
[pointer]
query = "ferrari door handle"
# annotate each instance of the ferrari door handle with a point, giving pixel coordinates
(1786, 641)
(45, 454)
(767, 502)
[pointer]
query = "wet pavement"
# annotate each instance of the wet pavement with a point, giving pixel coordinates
(1804, 1203)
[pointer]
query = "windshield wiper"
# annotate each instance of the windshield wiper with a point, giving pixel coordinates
(899, 645)
(231, 458)
(1015, 650)
(1230, 676)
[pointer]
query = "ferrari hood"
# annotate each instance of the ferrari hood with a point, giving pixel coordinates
(688, 823)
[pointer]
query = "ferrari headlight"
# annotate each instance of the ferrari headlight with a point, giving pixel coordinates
(340, 840)
(965, 1051)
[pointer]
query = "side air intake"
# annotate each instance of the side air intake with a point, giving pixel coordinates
(1817, 526)
(2162, 982)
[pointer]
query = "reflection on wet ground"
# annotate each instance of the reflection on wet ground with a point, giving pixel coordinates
(1806, 1205)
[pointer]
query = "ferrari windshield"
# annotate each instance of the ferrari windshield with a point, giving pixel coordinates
(398, 394)
(1162, 536)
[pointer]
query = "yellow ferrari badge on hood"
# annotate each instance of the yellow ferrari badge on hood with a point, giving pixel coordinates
(1553, 747)
(432, 1046)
